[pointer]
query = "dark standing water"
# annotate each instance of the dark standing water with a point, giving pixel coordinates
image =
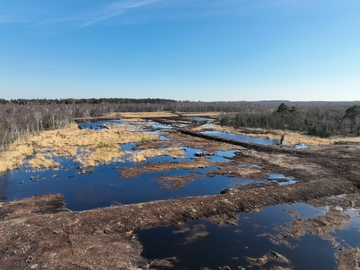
(242, 138)
(200, 243)
(103, 185)
(197, 118)
(101, 124)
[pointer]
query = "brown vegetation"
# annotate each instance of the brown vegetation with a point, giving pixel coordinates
(97, 147)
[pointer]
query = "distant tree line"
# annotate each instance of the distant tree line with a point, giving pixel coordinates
(321, 121)
(24, 117)
(87, 101)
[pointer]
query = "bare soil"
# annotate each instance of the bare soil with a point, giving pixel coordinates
(348, 259)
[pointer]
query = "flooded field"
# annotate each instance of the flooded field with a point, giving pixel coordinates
(183, 201)
(109, 185)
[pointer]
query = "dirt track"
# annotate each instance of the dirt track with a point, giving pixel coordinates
(36, 233)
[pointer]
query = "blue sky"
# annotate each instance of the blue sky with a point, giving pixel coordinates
(181, 49)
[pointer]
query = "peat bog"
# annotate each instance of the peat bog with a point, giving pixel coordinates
(189, 202)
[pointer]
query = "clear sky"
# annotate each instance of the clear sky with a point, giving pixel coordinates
(181, 49)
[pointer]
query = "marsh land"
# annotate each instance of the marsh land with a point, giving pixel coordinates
(177, 191)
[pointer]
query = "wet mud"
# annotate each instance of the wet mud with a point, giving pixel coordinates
(348, 259)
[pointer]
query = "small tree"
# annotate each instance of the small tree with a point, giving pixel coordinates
(293, 110)
(283, 109)
(353, 113)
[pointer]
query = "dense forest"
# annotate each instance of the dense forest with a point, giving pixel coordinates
(23, 117)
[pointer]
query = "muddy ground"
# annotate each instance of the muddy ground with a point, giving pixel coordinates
(38, 233)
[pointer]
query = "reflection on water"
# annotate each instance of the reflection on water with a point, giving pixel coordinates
(242, 138)
(157, 126)
(202, 243)
(282, 179)
(5, 182)
(92, 187)
(128, 147)
(100, 186)
(197, 118)
(101, 124)
(87, 188)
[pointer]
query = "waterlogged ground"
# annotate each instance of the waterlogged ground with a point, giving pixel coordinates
(111, 185)
(290, 236)
(243, 138)
(177, 178)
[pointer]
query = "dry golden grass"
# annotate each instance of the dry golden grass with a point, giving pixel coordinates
(14, 156)
(142, 155)
(103, 146)
(94, 156)
(42, 160)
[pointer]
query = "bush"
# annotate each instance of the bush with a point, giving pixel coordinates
(320, 131)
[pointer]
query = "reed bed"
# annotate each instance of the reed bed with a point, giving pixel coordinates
(96, 147)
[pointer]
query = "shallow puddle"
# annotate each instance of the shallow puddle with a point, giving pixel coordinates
(281, 179)
(296, 146)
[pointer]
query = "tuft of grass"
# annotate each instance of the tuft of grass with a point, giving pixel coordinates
(103, 145)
